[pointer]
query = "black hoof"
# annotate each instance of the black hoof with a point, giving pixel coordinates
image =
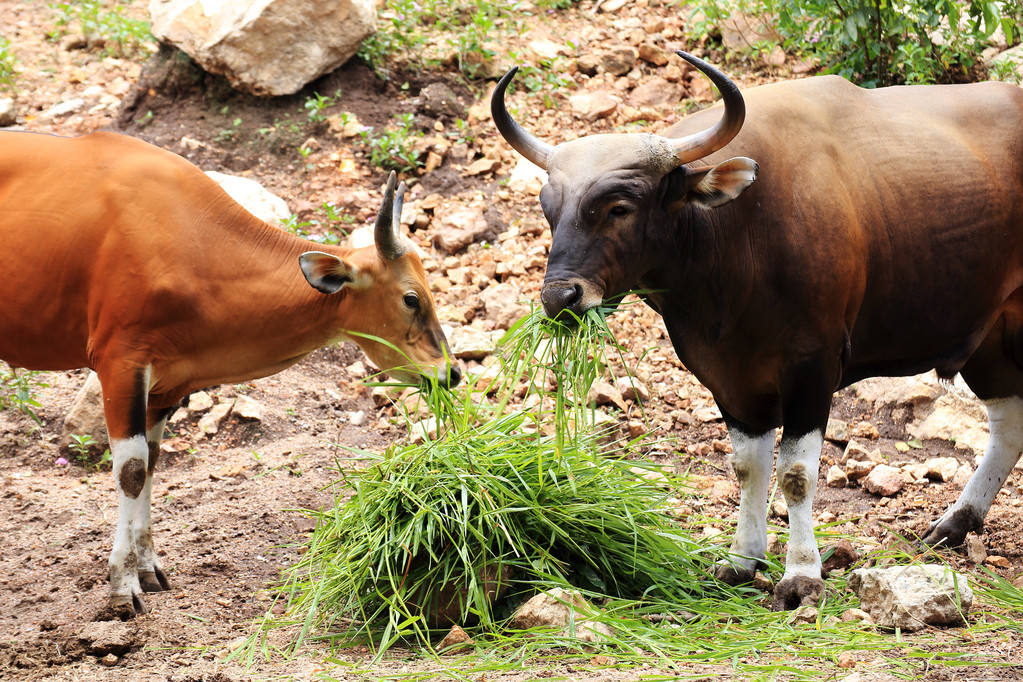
(951, 532)
(154, 581)
(800, 590)
(734, 575)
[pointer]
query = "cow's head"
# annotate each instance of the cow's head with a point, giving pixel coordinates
(391, 312)
(604, 190)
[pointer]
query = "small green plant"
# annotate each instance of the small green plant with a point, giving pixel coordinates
(115, 34)
(229, 134)
(17, 390)
(8, 71)
(394, 148)
(315, 105)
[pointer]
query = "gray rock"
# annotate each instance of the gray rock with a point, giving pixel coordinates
(437, 99)
(63, 109)
(618, 61)
(266, 47)
(837, 431)
(836, 477)
(942, 468)
(85, 416)
(912, 597)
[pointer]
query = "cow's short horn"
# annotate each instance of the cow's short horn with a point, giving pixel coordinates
(709, 141)
(535, 151)
(386, 232)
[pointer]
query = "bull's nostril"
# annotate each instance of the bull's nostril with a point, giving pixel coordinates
(560, 297)
(454, 376)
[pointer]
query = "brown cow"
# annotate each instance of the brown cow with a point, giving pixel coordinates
(125, 258)
(847, 233)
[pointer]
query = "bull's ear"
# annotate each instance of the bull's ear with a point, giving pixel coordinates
(325, 272)
(711, 186)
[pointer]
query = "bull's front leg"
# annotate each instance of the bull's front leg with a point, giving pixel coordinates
(751, 459)
(798, 466)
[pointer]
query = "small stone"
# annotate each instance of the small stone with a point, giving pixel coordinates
(212, 420)
(654, 54)
(593, 105)
(804, 614)
(962, 476)
(855, 469)
(837, 477)
(632, 389)
(357, 418)
(865, 430)
(976, 552)
(469, 343)
(850, 615)
(837, 431)
(997, 561)
(942, 468)
(854, 450)
(248, 408)
(603, 393)
(457, 638)
(779, 508)
(844, 555)
(200, 402)
(846, 660)
(884, 480)
(110, 660)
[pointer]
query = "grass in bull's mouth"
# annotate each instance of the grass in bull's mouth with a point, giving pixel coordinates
(513, 487)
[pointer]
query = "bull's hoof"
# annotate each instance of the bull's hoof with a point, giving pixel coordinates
(734, 575)
(799, 590)
(121, 608)
(951, 529)
(154, 581)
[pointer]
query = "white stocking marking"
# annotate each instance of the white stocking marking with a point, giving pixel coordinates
(798, 465)
(124, 581)
(751, 459)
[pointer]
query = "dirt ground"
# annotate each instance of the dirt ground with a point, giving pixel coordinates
(226, 507)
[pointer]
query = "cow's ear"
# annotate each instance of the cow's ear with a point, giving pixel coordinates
(710, 186)
(327, 273)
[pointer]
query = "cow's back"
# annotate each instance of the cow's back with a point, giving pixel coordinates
(83, 221)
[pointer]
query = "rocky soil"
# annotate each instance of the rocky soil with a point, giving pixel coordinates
(225, 502)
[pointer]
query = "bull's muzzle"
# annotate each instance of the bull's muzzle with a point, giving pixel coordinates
(562, 300)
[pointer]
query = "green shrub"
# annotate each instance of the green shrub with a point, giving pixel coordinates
(17, 390)
(394, 147)
(878, 42)
(119, 35)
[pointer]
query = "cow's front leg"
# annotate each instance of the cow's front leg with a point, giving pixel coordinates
(125, 392)
(751, 459)
(798, 465)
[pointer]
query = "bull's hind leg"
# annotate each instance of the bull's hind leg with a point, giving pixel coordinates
(994, 373)
(151, 575)
(125, 391)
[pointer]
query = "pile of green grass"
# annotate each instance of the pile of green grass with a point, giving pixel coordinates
(506, 501)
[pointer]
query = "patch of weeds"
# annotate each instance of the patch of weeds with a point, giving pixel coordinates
(394, 148)
(331, 229)
(109, 30)
(8, 62)
(17, 390)
(229, 134)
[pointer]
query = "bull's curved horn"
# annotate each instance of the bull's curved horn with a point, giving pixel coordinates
(535, 151)
(386, 232)
(701, 144)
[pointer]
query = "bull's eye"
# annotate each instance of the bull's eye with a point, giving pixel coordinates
(617, 211)
(412, 301)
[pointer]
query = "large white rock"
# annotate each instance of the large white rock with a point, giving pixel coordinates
(912, 597)
(265, 47)
(257, 200)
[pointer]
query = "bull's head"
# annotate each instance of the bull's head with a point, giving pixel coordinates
(603, 190)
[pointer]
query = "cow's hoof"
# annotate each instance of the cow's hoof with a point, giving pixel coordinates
(121, 608)
(733, 574)
(154, 581)
(951, 529)
(799, 590)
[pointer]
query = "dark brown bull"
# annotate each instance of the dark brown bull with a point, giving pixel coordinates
(877, 232)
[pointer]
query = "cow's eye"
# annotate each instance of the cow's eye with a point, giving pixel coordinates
(412, 301)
